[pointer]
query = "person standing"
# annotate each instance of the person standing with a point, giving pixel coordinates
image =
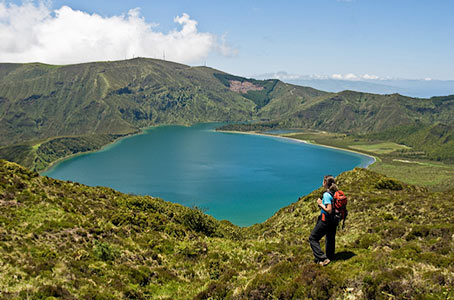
(325, 224)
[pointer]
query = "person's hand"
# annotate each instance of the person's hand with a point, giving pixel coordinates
(319, 201)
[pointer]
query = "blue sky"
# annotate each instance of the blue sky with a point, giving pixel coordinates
(383, 38)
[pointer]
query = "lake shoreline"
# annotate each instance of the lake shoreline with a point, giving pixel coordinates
(375, 159)
(104, 147)
(241, 179)
(143, 130)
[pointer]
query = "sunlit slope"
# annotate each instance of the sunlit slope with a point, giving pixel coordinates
(67, 240)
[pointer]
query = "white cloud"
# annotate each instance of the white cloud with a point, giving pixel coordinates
(282, 75)
(32, 32)
(350, 76)
(354, 77)
(224, 49)
(370, 77)
(337, 76)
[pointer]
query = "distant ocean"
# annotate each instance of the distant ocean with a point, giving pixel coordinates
(242, 178)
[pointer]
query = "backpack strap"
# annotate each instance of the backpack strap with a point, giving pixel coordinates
(343, 222)
(333, 208)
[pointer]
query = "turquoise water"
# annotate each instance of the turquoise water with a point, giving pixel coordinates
(242, 178)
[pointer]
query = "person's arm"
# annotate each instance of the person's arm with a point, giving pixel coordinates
(325, 207)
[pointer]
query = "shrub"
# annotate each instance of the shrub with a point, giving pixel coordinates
(389, 184)
(318, 282)
(367, 240)
(163, 246)
(105, 252)
(194, 250)
(214, 291)
(408, 251)
(389, 283)
(196, 220)
(141, 275)
(54, 291)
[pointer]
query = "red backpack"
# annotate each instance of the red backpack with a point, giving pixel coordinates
(340, 207)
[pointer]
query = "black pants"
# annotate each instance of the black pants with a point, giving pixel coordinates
(321, 229)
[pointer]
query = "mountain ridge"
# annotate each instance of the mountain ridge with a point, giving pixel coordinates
(40, 102)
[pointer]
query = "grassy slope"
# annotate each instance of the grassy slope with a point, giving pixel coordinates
(63, 239)
(286, 98)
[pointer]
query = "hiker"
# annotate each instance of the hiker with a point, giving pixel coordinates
(325, 224)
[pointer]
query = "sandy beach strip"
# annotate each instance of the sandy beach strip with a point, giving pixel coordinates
(375, 159)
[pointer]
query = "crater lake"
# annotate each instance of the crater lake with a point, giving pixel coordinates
(238, 177)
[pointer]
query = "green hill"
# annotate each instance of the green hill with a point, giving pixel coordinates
(66, 240)
(88, 102)
(360, 113)
(85, 106)
(41, 101)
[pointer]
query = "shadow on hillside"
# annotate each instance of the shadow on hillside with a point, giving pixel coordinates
(344, 255)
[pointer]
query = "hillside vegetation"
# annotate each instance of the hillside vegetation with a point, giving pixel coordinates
(40, 101)
(41, 155)
(357, 112)
(434, 141)
(66, 240)
(94, 102)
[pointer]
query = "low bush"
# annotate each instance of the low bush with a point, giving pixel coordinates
(389, 284)
(196, 220)
(389, 184)
(105, 251)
